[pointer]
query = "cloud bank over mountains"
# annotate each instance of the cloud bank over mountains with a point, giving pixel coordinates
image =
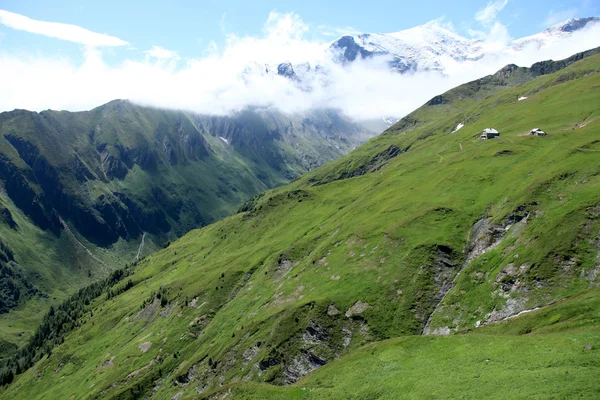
(245, 71)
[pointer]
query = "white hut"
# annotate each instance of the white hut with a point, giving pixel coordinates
(537, 132)
(489, 133)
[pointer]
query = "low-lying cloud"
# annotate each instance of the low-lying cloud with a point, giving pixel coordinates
(229, 79)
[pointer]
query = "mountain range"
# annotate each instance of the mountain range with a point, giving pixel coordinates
(428, 47)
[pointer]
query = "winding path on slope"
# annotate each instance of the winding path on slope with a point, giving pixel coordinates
(72, 236)
(137, 257)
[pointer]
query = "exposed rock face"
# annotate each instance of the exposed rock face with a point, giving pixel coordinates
(437, 100)
(485, 236)
(350, 50)
(576, 24)
(14, 284)
(112, 166)
(286, 69)
(302, 365)
(24, 196)
(379, 161)
(332, 310)
(282, 363)
(7, 218)
(144, 347)
(358, 308)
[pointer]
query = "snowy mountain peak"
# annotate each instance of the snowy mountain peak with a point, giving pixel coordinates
(431, 32)
(555, 33)
(430, 47)
(573, 24)
(418, 48)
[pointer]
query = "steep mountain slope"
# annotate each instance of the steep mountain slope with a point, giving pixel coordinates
(424, 229)
(84, 193)
(549, 353)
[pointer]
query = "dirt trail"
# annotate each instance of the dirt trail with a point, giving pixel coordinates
(68, 230)
(137, 257)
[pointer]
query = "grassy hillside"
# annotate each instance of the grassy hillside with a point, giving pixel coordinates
(550, 353)
(79, 191)
(421, 230)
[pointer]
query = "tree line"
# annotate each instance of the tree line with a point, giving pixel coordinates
(58, 322)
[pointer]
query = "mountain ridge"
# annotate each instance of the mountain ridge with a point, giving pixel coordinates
(85, 187)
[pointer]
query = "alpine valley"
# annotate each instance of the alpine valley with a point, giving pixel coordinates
(85, 193)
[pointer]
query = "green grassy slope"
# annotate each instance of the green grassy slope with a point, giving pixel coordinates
(365, 249)
(121, 170)
(549, 353)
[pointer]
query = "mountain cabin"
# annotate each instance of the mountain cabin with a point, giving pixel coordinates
(489, 133)
(537, 132)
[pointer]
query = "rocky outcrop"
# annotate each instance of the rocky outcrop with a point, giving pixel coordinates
(377, 162)
(24, 196)
(112, 165)
(348, 50)
(14, 284)
(358, 308)
(7, 218)
(287, 70)
(484, 237)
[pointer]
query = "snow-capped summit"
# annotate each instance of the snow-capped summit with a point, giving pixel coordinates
(428, 47)
(555, 33)
(431, 47)
(573, 24)
(419, 48)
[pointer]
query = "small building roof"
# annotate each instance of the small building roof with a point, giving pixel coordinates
(490, 130)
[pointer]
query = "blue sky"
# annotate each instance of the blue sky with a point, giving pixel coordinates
(188, 27)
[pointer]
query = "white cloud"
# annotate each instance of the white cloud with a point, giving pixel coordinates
(554, 17)
(495, 34)
(488, 14)
(334, 31)
(444, 23)
(496, 38)
(220, 81)
(71, 33)
(161, 53)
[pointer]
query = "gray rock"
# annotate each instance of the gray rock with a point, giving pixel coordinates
(358, 308)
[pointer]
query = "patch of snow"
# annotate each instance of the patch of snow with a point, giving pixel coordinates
(223, 139)
(389, 121)
(523, 98)
(458, 127)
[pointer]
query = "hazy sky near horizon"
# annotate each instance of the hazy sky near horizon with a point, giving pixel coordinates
(75, 55)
